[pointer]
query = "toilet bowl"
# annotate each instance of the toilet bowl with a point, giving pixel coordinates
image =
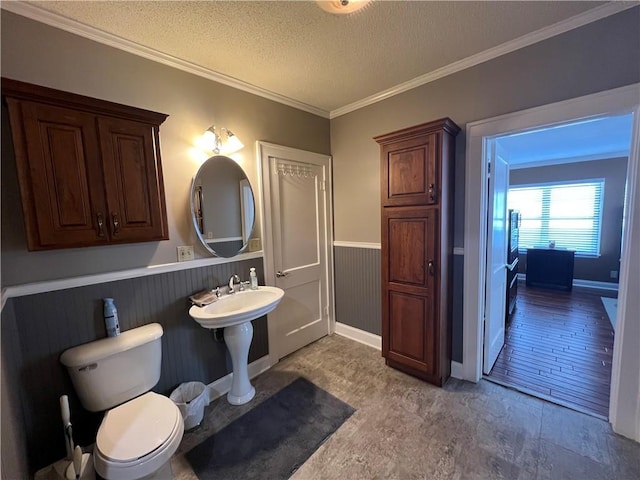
(141, 429)
(137, 438)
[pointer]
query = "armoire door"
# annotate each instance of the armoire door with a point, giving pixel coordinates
(409, 273)
(409, 172)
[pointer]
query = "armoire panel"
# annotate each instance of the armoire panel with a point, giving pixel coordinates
(406, 264)
(411, 319)
(407, 172)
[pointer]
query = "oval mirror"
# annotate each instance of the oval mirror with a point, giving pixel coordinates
(222, 206)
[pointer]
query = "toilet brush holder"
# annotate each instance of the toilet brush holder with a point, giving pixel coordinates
(87, 472)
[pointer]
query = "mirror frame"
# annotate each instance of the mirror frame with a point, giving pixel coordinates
(197, 219)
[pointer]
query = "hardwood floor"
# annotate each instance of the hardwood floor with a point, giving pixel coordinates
(558, 346)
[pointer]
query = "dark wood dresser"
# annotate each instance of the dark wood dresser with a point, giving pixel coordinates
(550, 268)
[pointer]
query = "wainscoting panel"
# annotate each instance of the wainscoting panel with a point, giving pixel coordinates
(14, 445)
(357, 284)
(49, 323)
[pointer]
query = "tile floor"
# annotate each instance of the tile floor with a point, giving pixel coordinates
(404, 428)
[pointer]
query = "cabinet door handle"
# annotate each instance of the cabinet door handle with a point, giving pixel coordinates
(432, 270)
(116, 223)
(100, 220)
(432, 196)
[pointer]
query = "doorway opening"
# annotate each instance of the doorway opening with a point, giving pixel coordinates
(624, 413)
(565, 199)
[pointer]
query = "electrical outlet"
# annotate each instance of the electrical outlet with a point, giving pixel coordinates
(254, 244)
(613, 274)
(185, 253)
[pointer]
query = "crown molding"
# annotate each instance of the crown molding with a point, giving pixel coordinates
(72, 26)
(545, 33)
(55, 20)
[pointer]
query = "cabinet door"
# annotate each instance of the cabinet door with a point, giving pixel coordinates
(133, 180)
(409, 172)
(409, 273)
(60, 176)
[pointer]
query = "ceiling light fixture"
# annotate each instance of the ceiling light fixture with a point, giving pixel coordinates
(342, 7)
(221, 140)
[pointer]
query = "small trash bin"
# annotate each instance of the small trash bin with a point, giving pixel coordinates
(191, 398)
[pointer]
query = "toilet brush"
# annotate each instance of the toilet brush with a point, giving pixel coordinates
(81, 468)
(77, 461)
(66, 423)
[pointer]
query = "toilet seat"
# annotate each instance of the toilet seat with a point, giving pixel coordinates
(136, 438)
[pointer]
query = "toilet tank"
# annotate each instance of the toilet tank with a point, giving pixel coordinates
(111, 371)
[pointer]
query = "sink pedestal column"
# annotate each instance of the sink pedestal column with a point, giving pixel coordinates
(238, 340)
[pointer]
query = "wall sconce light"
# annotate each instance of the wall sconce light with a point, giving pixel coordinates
(221, 140)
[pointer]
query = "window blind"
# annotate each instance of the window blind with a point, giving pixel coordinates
(569, 214)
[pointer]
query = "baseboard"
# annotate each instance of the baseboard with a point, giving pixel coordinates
(456, 370)
(366, 338)
(577, 282)
(595, 285)
(222, 386)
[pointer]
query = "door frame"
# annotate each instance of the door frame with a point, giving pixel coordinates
(265, 150)
(624, 407)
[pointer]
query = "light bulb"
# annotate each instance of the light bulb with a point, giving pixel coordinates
(210, 140)
(233, 143)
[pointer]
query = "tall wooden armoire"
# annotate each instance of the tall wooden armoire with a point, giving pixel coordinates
(417, 235)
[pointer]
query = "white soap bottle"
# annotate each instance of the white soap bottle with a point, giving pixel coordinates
(111, 318)
(253, 279)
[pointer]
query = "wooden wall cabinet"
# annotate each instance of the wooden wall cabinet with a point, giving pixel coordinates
(417, 234)
(89, 171)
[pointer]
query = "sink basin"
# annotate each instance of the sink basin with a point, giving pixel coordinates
(234, 313)
(237, 308)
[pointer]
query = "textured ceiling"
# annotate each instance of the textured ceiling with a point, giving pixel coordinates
(297, 50)
(593, 139)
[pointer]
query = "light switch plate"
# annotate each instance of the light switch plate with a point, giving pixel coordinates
(185, 253)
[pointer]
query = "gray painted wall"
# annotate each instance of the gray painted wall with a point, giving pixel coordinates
(36, 329)
(614, 172)
(40, 54)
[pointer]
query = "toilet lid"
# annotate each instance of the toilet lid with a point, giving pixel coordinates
(137, 428)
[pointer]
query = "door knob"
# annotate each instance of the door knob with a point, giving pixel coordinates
(279, 274)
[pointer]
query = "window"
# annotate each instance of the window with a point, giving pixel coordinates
(569, 214)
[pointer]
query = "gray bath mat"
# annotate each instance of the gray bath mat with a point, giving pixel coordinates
(274, 439)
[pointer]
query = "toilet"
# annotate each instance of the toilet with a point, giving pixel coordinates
(141, 429)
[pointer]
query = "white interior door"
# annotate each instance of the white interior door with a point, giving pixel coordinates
(300, 245)
(496, 282)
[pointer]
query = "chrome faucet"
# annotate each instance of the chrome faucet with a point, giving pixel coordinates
(234, 278)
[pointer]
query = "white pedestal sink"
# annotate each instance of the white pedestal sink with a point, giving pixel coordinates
(234, 313)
